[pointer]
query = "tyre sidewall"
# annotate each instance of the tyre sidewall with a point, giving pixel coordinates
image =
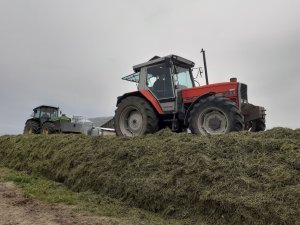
(221, 104)
(49, 126)
(33, 126)
(138, 104)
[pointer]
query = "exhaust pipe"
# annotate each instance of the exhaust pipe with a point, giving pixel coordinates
(205, 67)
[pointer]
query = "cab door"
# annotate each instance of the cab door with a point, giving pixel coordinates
(160, 83)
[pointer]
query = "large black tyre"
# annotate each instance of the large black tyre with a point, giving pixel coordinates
(258, 125)
(134, 116)
(31, 127)
(48, 128)
(215, 115)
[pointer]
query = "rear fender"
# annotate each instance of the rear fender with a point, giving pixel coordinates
(146, 94)
(35, 120)
(192, 106)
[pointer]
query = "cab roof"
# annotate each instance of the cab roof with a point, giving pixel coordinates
(157, 60)
(46, 106)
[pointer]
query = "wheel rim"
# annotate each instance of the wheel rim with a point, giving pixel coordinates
(131, 121)
(212, 121)
(45, 131)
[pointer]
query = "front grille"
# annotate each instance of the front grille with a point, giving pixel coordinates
(243, 92)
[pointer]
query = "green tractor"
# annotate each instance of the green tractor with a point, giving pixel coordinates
(49, 120)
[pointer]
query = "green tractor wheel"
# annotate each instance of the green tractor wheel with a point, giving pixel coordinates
(32, 127)
(48, 128)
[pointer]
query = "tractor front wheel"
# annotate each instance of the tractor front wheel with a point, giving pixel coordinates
(32, 127)
(48, 128)
(215, 115)
(134, 117)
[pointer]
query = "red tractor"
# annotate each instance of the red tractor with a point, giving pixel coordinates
(168, 97)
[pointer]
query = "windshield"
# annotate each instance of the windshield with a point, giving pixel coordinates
(49, 112)
(45, 112)
(182, 78)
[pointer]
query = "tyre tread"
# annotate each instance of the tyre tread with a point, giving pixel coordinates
(236, 124)
(150, 113)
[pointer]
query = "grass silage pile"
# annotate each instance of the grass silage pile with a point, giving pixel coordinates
(237, 178)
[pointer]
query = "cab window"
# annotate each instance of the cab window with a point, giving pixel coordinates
(49, 112)
(182, 78)
(36, 113)
(159, 81)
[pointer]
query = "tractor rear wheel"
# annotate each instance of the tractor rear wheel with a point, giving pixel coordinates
(134, 116)
(32, 127)
(215, 115)
(48, 128)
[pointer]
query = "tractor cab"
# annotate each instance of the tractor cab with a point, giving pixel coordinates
(162, 76)
(43, 111)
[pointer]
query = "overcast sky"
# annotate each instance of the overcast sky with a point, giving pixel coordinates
(73, 54)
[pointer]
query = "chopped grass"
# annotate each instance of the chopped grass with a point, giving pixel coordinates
(53, 192)
(237, 178)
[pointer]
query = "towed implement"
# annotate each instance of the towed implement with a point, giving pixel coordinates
(50, 120)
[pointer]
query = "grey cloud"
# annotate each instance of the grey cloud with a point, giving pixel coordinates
(73, 53)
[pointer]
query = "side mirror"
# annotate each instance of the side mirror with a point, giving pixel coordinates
(199, 72)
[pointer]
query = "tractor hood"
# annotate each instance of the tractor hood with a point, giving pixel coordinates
(229, 89)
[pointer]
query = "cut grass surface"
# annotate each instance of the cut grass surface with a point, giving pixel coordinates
(237, 178)
(53, 192)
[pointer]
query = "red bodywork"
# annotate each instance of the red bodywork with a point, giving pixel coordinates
(147, 94)
(189, 95)
(229, 89)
